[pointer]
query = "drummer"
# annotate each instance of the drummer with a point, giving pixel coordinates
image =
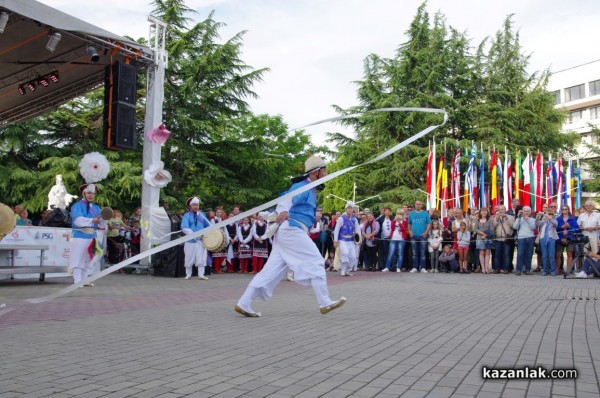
(195, 253)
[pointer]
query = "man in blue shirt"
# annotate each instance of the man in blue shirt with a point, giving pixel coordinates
(85, 220)
(419, 224)
(194, 250)
(293, 248)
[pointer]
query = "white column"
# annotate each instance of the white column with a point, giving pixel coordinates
(154, 101)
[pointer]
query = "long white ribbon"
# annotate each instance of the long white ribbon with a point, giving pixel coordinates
(267, 205)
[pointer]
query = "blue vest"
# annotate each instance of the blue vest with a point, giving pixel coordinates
(346, 232)
(81, 209)
(303, 207)
(195, 222)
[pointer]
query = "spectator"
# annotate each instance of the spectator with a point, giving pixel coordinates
(547, 241)
(434, 244)
(419, 224)
(369, 231)
(484, 243)
(463, 240)
(589, 223)
(384, 221)
(399, 228)
(448, 259)
(524, 225)
(23, 219)
(502, 225)
(566, 225)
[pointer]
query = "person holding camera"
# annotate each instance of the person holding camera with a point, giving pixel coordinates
(566, 226)
(589, 222)
(502, 225)
(546, 224)
(524, 225)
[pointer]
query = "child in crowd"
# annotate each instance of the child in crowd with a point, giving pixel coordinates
(448, 259)
(463, 240)
(434, 244)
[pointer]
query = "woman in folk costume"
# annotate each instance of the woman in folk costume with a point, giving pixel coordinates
(293, 248)
(260, 243)
(346, 228)
(194, 250)
(233, 247)
(220, 256)
(244, 237)
(85, 220)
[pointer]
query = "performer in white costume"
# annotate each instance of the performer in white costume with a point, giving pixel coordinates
(194, 250)
(85, 220)
(346, 228)
(293, 248)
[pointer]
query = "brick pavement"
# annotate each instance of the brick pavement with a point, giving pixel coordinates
(409, 335)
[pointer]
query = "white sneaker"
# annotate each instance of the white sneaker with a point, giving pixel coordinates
(342, 273)
(203, 278)
(581, 274)
(187, 277)
(398, 270)
(423, 271)
(385, 270)
(412, 271)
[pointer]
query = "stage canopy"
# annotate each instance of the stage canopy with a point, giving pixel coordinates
(57, 74)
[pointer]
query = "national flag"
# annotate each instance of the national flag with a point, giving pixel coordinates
(568, 197)
(526, 168)
(539, 181)
(560, 188)
(431, 178)
(578, 187)
(518, 172)
(482, 197)
(494, 186)
(456, 178)
(549, 181)
(471, 178)
(439, 182)
(507, 179)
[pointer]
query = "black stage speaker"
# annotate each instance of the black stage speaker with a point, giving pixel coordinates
(170, 262)
(119, 107)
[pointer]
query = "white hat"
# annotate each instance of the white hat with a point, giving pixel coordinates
(349, 204)
(313, 163)
(7, 220)
(192, 201)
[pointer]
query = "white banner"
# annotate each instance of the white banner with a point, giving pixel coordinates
(59, 247)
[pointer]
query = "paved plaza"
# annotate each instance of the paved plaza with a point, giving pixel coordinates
(399, 334)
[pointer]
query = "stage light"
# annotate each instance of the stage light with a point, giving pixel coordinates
(21, 90)
(53, 40)
(91, 51)
(53, 76)
(43, 81)
(3, 20)
(30, 86)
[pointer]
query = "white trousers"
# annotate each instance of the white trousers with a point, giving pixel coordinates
(348, 257)
(195, 254)
(79, 259)
(293, 249)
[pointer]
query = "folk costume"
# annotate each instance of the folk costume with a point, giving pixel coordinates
(194, 250)
(346, 228)
(86, 218)
(293, 248)
(260, 244)
(232, 248)
(244, 237)
(220, 256)
(85, 221)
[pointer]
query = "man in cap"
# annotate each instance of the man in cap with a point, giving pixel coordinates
(293, 247)
(85, 220)
(195, 252)
(343, 238)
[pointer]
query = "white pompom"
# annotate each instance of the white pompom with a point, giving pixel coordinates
(94, 167)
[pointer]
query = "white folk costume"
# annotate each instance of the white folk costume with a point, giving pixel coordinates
(244, 237)
(83, 244)
(293, 248)
(220, 256)
(260, 244)
(195, 253)
(232, 248)
(346, 227)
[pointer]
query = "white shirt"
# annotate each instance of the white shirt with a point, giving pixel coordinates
(386, 228)
(587, 220)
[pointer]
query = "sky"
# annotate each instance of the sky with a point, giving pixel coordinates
(315, 48)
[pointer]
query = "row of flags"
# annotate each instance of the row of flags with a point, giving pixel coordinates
(529, 179)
